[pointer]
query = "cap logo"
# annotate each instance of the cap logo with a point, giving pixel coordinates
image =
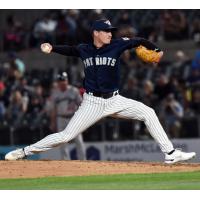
(107, 22)
(126, 38)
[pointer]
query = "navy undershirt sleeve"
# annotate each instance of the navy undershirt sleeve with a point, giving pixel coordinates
(66, 50)
(127, 43)
(141, 41)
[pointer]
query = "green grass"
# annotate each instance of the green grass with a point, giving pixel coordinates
(170, 181)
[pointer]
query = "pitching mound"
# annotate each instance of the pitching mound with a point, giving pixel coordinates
(33, 169)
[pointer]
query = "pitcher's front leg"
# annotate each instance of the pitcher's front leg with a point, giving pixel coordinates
(139, 111)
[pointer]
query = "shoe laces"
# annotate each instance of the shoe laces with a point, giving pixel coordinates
(178, 149)
(19, 152)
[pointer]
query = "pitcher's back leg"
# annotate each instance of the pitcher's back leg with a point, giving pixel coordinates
(84, 117)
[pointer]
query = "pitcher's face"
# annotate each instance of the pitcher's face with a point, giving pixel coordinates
(103, 37)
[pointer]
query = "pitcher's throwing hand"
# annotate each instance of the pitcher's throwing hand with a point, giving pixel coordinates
(46, 48)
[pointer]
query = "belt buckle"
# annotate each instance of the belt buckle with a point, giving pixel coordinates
(91, 93)
(115, 93)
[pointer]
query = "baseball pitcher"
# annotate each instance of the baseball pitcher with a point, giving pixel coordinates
(102, 98)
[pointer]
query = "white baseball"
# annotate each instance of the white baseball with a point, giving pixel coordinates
(46, 48)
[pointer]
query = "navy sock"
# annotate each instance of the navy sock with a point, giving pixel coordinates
(24, 152)
(171, 152)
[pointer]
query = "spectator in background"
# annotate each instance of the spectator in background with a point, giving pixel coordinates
(44, 30)
(193, 82)
(2, 105)
(195, 102)
(126, 28)
(180, 66)
(130, 66)
(196, 61)
(14, 60)
(174, 25)
(2, 87)
(179, 59)
(194, 79)
(128, 59)
(163, 87)
(12, 77)
(23, 87)
(150, 25)
(71, 20)
(36, 104)
(65, 100)
(14, 35)
(150, 99)
(125, 23)
(17, 108)
(148, 96)
(173, 112)
(62, 28)
(177, 89)
(124, 19)
(36, 100)
(127, 31)
(195, 30)
(131, 89)
(66, 29)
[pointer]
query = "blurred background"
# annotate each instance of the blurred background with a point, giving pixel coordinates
(27, 75)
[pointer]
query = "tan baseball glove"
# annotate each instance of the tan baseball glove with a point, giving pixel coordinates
(148, 56)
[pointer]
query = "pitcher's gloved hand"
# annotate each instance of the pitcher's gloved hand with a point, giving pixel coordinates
(149, 56)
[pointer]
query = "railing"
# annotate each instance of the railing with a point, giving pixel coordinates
(108, 129)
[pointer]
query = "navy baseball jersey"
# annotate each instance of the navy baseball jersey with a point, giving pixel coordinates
(102, 65)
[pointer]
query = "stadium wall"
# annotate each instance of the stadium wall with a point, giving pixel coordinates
(146, 151)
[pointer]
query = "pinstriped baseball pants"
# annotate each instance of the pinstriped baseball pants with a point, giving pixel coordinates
(92, 109)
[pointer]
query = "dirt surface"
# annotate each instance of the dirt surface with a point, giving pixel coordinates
(33, 169)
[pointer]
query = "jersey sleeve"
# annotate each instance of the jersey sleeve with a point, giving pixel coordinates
(66, 50)
(127, 43)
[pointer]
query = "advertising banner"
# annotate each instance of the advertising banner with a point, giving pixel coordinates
(126, 150)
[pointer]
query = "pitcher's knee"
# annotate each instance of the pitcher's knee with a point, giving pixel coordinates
(60, 137)
(67, 135)
(149, 114)
(151, 111)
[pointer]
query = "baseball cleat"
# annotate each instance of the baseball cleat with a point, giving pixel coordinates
(178, 156)
(15, 155)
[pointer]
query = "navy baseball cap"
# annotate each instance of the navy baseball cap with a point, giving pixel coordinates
(102, 25)
(62, 76)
